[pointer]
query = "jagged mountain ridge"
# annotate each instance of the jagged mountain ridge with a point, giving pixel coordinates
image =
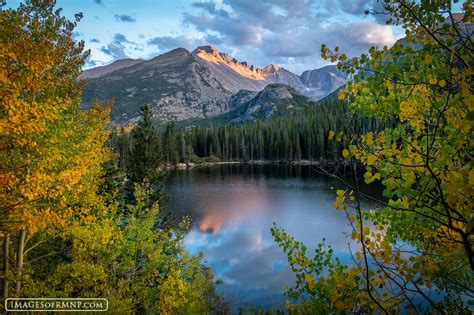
(180, 85)
(238, 75)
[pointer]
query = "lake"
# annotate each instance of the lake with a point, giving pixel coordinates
(233, 207)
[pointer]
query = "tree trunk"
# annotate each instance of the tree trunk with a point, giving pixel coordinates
(19, 260)
(6, 245)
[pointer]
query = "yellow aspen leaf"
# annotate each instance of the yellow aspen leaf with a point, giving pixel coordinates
(371, 159)
(428, 58)
(331, 135)
(351, 217)
(340, 95)
(354, 235)
(382, 136)
(366, 231)
(309, 280)
(370, 139)
(375, 177)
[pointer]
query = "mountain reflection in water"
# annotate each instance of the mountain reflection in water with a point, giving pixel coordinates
(233, 208)
(236, 209)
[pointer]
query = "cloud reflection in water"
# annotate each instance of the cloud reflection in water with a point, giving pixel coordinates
(234, 207)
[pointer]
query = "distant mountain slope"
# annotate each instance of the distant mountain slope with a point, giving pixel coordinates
(174, 84)
(103, 70)
(274, 100)
(180, 85)
(240, 98)
(321, 82)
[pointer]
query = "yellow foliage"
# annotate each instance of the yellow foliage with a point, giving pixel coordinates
(370, 138)
(52, 152)
(331, 135)
(309, 281)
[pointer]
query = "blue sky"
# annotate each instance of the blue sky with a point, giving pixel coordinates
(284, 32)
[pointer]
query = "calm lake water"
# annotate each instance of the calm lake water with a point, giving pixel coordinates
(233, 208)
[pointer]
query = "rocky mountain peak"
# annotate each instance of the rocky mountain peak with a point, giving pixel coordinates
(228, 64)
(175, 53)
(272, 69)
(174, 84)
(208, 49)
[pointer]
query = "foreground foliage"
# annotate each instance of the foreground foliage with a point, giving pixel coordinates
(128, 257)
(416, 253)
(64, 231)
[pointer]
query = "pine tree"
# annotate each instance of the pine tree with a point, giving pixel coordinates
(146, 155)
(171, 144)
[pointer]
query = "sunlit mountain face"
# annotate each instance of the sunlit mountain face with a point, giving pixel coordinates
(211, 55)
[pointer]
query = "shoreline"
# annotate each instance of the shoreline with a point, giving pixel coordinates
(181, 166)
